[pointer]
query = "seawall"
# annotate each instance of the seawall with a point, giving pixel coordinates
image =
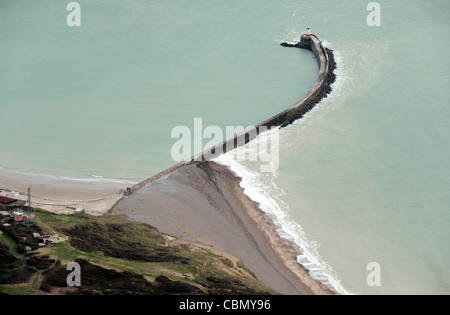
(321, 87)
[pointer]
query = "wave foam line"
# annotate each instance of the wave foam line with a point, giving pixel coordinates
(261, 188)
(92, 179)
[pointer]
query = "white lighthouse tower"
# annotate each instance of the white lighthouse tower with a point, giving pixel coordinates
(308, 32)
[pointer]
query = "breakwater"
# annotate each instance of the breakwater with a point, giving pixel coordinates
(321, 87)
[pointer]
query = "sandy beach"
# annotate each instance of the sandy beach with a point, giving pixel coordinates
(203, 203)
(63, 196)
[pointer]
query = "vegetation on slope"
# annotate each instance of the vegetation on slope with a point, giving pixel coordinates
(116, 256)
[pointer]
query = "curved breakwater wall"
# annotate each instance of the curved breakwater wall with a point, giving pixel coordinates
(321, 87)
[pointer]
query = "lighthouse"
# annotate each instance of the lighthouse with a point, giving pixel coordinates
(308, 32)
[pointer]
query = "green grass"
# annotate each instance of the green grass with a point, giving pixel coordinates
(19, 289)
(115, 242)
(17, 203)
(8, 241)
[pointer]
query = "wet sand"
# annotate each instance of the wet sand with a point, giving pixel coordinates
(202, 202)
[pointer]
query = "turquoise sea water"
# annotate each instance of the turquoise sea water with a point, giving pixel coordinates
(102, 99)
(363, 178)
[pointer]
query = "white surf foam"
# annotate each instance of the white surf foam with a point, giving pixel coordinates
(261, 187)
(38, 176)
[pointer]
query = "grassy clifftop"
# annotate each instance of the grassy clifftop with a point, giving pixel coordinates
(117, 256)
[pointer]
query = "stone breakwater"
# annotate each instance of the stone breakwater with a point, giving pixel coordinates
(320, 89)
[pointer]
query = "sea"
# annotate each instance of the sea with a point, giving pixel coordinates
(362, 185)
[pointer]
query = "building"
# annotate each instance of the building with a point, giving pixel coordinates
(4, 214)
(18, 215)
(6, 200)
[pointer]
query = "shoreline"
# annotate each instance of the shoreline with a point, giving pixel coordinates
(62, 189)
(203, 203)
(63, 196)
